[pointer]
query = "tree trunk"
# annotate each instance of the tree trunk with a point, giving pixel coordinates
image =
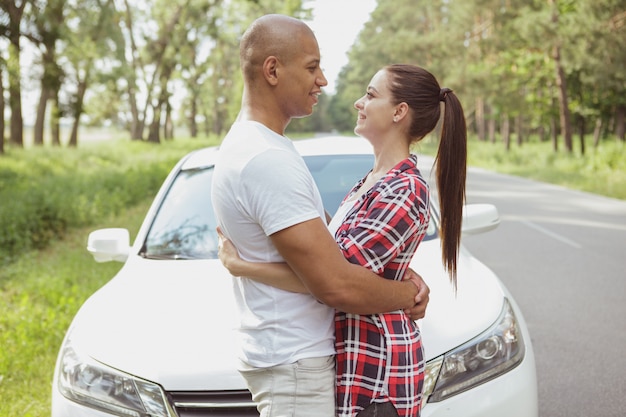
(207, 124)
(41, 116)
(505, 131)
(1, 110)
(15, 94)
(168, 127)
(55, 117)
(136, 124)
(492, 129)
(581, 134)
(597, 132)
(561, 83)
(153, 131)
(518, 130)
(480, 118)
(13, 33)
(620, 116)
(554, 131)
(193, 125)
(78, 109)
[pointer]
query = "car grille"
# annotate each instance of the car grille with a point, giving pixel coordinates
(214, 403)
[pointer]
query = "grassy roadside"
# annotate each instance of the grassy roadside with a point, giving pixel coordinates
(39, 294)
(600, 171)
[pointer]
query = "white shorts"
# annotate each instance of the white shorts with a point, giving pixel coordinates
(305, 388)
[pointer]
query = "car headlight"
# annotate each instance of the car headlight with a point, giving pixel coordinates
(90, 383)
(494, 352)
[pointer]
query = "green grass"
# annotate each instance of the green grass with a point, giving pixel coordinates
(39, 294)
(46, 191)
(601, 170)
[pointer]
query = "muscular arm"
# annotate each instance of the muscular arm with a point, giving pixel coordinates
(276, 274)
(335, 281)
(280, 275)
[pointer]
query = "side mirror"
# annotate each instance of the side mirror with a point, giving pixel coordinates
(479, 218)
(109, 244)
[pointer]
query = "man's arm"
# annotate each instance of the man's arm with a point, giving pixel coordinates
(280, 275)
(275, 274)
(313, 255)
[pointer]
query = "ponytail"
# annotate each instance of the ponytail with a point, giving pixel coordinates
(420, 90)
(451, 170)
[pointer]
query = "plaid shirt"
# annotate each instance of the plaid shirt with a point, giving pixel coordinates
(379, 356)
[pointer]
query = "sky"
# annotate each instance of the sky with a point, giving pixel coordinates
(336, 24)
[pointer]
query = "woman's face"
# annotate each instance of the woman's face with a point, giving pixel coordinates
(375, 109)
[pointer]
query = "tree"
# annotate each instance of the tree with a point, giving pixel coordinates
(10, 29)
(598, 61)
(49, 22)
(91, 38)
(519, 66)
(153, 60)
(2, 66)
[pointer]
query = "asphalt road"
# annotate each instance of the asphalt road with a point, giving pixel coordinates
(562, 254)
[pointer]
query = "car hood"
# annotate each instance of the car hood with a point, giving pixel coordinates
(454, 318)
(170, 322)
(174, 322)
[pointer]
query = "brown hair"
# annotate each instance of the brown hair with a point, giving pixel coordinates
(420, 90)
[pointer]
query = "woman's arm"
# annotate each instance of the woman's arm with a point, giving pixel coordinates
(276, 274)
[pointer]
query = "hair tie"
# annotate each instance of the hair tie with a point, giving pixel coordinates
(443, 93)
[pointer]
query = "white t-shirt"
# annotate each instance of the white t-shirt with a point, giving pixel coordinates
(340, 215)
(261, 185)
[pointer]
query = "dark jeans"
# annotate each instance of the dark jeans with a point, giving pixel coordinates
(379, 410)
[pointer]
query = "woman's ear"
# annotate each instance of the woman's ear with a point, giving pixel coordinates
(400, 112)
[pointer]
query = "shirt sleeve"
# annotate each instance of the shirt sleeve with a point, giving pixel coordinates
(280, 191)
(391, 219)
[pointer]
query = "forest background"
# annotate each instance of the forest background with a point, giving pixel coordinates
(542, 83)
(550, 69)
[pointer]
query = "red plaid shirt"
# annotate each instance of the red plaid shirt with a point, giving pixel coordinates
(379, 357)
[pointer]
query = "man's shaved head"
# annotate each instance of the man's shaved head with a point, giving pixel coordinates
(270, 35)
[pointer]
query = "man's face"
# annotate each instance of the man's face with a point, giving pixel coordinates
(302, 79)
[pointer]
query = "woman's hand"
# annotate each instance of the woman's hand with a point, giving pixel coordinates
(227, 252)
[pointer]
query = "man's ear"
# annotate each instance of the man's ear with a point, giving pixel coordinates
(270, 69)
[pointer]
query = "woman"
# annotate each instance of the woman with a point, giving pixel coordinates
(380, 223)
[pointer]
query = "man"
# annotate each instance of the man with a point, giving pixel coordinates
(268, 205)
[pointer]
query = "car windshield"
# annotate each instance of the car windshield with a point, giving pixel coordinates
(184, 226)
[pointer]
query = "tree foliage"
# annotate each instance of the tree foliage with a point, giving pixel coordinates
(521, 67)
(126, 63)
(548, 68)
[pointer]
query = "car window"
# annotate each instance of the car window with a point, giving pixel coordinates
(184, 225)
(335, 175)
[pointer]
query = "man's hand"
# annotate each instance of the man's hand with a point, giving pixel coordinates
(418, 311)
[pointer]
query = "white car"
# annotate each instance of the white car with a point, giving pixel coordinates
(158, 339)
